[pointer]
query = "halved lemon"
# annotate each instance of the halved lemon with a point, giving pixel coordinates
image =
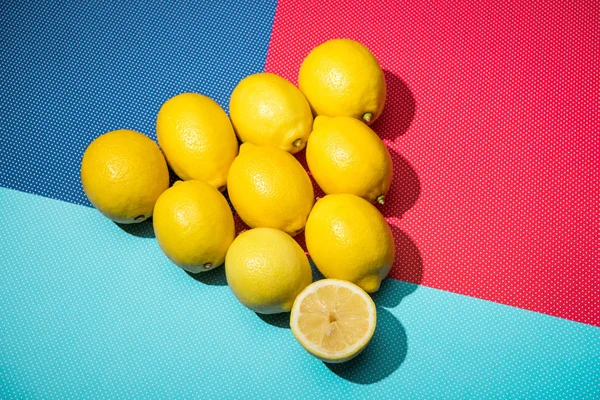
(333, 320)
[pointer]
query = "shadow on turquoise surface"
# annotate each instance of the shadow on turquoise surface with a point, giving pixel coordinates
(143, 229)
(281, 320)
(214, 277)
(389, 346)
(392, 292)
(384, 355)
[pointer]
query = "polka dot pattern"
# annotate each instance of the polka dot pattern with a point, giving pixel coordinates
(73, 71)
(492, 123)
(89, 310)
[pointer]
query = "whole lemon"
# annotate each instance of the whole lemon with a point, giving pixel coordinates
(267, 109)
(123, 172)
(193, 225)
(269, 188)
(342, 78)
(197, 138)
(266, 269)
(346, 156)
(349, 239)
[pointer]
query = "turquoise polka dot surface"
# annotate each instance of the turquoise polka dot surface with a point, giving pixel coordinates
(89, 310)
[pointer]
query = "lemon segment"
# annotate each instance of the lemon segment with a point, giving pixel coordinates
(333, 320)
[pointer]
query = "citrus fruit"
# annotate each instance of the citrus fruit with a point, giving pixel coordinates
(348, 238)
(333, 320)
(267, 109)
(346, 156)
(197, 138)
(266, 269)
(123, 172)
(193, 225)
(342, 78)
(269, 188)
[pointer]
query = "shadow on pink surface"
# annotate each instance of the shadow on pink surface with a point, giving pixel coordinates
(405, 189)
(399, 110)
(389, 345)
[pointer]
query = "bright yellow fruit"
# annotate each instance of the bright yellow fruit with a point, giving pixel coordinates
(348, 239)
(194, 226)
(266, 269)
(346, 156)
(266, 109)
(123, 172)
(342, 78)
(269, 188)
(333, 320)
(197, 138)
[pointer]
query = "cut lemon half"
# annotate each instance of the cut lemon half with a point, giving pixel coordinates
(333, 320)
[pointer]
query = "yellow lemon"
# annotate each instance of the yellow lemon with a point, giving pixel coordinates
(346, 156)
(348, 239)
(266, 269)
(333, 320)
(266, 109)
(342, 78)
(197, 138)
(269, 188)
(194, 225)
(123, 172)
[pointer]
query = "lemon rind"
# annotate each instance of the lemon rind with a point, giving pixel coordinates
(349, 352)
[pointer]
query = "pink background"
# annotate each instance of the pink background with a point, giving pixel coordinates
(492, 122)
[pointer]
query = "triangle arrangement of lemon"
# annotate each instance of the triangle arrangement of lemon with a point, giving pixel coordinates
(348, 238)
(333, 320)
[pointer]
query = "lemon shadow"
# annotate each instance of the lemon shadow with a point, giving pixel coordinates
(407, 271)
(385, 353)
(142, 229)
(405, 189)
(280, 320)
(399, 109)
(214, 277)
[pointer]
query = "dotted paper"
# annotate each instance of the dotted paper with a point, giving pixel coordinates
(73, 71)
(492, 123)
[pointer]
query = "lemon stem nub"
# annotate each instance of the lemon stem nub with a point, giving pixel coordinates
(367, 117)
(207, 266)
(381, 199)
(139, 218)
(297, 142)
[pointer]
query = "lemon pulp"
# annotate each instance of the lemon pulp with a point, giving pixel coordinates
(333, 320)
